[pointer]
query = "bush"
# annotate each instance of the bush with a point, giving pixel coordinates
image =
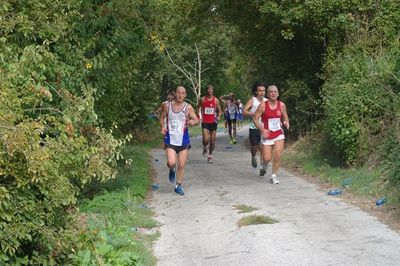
(50, 142)
(359, 100)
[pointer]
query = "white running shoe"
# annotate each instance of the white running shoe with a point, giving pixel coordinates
(274, 180)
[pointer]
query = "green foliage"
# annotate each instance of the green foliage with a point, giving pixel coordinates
(123, 65)
(309, 156)
(211, 37)
(360, 99)
(117, 229)
(390, 152)
(51, 145)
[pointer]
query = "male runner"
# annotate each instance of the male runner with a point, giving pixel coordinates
(249, 109)
(179, 115)
(232, 107)
(239, 114)
(210, 110)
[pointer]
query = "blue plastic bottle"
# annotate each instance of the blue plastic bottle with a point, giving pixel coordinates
(381, 201)
(155, 186)
(334, 192)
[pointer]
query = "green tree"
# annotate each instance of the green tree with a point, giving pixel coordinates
(51, 145)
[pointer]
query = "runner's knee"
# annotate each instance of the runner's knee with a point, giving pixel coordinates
(171, 163)
(181, 165)
(277, 156)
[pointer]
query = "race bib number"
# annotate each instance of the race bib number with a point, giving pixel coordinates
(209, 110)
(175, 127)
(274, 124)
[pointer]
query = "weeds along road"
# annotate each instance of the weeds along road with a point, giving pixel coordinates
(201, 227)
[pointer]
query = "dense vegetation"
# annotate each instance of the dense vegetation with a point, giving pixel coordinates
(76, 76)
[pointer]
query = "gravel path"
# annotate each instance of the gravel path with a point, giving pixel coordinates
(201, 228)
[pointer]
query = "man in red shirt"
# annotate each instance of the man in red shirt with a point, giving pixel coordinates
(210, 112)
(273, 115)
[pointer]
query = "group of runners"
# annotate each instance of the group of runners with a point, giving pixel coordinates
(267, 116)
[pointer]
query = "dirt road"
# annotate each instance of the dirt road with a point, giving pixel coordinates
(201, 228)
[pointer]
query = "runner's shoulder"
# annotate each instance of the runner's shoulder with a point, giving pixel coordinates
(189, 106)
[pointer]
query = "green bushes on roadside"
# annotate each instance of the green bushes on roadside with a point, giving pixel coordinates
(361, 99)
(50, 142)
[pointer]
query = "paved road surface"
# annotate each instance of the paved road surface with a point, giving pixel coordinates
(201, 228)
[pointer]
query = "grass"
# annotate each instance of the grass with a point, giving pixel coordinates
(360, 181)
(115, 214)
(256, 219)
(242, 208)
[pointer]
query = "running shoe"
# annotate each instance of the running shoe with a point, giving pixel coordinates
(179, 190)
(274, 180)
(254, 162)
(231, 142)
(263, 171)
(171, 175)
(209, 159)
(234, 141)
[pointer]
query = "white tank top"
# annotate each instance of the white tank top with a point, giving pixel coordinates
(231, 109)
(177, 131)
(254, 107)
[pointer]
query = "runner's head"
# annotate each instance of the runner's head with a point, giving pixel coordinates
(170, 95)
(272, 92)
(210, 90)
(180, 94)
(259, 89)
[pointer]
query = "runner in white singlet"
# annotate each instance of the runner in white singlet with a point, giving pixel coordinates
(179, 115)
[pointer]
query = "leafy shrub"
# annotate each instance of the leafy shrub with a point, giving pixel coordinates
(50, 142)
(359, 100)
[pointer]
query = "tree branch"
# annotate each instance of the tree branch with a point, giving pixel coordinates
(44, 109)
(178, 67)
(7, 127)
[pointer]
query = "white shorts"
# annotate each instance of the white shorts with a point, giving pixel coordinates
(272, 141)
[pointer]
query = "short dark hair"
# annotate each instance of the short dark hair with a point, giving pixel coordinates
(258, 84)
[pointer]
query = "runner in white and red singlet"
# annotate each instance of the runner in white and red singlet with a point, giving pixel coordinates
(210, 111)
(273, 114)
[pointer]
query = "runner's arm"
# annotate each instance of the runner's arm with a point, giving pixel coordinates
(219, 110)
(247, 107)
(285, 116)
(256, 120)
(194, 120)
(163, 115)
(199, 107)
(158, 111)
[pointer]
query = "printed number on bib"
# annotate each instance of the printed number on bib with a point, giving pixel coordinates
(274, 124)
(175, 127)
(209, 111)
